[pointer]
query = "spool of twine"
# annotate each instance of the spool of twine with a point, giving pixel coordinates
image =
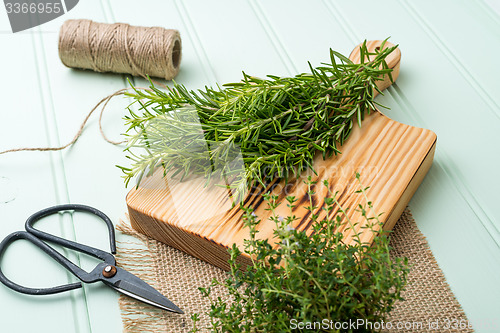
(120, 48)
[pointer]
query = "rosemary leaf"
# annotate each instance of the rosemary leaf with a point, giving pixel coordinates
(278, 123)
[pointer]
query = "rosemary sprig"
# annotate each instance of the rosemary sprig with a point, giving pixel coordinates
(278, 123)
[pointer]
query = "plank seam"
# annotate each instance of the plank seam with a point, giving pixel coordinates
(199, 49)
(455, 176)
(273, 36)
(344, 24)
(486, 8)
(452, 58)
(56, 159)
(483, 217)
(107, 11)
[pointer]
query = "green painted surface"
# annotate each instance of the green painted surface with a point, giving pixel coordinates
(448, 83)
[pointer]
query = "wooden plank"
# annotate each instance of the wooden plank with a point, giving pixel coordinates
(33, 185)
(91, 161)
(434, 103)
(455, 205)
(67, 96)
(392, 157)
(230, 45)
(196, 69)
(309, 41)
(448, 206)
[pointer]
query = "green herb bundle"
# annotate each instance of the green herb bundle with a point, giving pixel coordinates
(309, 282)
(278, 123)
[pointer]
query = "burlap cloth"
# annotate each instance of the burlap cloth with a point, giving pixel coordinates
(429, 304)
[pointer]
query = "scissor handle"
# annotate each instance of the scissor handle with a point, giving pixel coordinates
(36, 236)
(51, 252)
(67, 243)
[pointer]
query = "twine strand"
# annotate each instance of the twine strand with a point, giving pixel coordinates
(118, 48)
(104, 103)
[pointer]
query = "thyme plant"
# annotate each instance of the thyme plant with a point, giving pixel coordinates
(278, 123)
(307, 279)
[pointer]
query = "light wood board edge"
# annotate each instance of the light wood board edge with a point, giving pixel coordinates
(214, 253)
(410, 189)
(217, 254)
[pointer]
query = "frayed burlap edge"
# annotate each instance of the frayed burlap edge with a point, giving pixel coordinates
(173, 273)
(429, 304)
(136, 256)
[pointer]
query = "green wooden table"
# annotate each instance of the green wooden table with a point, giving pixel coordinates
(448, 83)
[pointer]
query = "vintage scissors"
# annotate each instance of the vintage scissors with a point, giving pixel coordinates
(107, 272)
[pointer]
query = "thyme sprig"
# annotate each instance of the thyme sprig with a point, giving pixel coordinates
(278, 123)
(308, 279)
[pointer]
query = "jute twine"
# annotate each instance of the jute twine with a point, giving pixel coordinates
(120, 48)
(104, 102)
(178, 276)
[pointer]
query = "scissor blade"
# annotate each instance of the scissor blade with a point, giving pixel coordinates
(132, 286)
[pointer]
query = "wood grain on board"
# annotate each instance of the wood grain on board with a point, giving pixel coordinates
(391, 157)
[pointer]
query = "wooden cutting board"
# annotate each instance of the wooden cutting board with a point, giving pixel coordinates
(391, 157)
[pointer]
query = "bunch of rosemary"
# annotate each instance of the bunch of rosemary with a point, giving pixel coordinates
(315, 280)
(278, 123)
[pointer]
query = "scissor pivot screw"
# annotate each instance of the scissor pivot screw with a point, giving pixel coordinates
(109, 271)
